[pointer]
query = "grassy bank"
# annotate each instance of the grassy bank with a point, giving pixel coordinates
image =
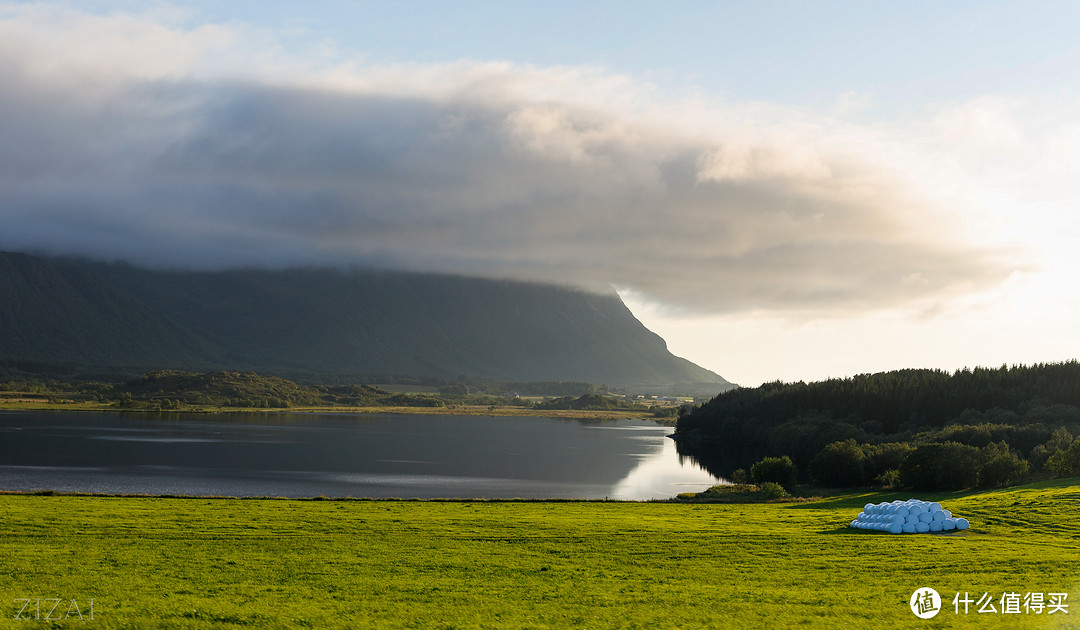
(29, 404)
(209, 563)
(227, 391)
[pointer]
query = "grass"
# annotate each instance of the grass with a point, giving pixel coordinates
(43, 404)
(480, 410)
(32, 404)
(274, 563)
(744, 493)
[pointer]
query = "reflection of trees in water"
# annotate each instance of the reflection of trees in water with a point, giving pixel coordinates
(717, 459)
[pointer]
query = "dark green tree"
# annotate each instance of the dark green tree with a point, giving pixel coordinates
(779, 470)
(1060, 440)
(948, 466)
(839, 465)
(881, 458)
(1001, 466)
(1065, 462)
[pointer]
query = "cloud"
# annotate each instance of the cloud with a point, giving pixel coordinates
(565, 175)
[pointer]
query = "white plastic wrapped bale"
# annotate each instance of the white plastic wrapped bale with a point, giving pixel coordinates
(908, 517)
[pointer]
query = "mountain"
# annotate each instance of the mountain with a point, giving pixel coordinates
(314, 323)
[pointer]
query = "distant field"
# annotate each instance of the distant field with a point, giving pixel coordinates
(399, 388)
(471, 410)
(218, 563)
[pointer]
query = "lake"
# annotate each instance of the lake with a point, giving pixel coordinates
(338, 455)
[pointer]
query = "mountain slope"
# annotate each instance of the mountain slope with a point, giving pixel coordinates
(63, 313)
(325, 322)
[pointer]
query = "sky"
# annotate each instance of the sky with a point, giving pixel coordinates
(781, 190)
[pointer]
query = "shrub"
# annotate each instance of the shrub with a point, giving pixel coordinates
(779, 470)
(771, 490)
(889, 479)
(664, 412)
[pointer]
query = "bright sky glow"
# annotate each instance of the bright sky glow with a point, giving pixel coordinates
(782, 190)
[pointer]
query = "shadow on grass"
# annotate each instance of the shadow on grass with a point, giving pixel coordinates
(847, 531)
(855, 500)
(851, 531)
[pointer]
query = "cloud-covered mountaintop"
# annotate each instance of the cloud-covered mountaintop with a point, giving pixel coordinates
(324, 325)
(125, 137)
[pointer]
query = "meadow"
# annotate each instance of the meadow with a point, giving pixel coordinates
(274, 563)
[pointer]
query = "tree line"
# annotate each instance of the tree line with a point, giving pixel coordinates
(920, 429)
(168, 390)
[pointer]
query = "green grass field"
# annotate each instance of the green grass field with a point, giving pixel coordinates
(229, 563)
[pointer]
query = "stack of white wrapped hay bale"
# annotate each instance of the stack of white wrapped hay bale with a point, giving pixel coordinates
(907, 517)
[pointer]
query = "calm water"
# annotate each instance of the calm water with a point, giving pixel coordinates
(298, 455)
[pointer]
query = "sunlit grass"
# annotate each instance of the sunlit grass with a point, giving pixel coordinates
(202, 563)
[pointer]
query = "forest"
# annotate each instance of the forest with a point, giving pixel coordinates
(919, 429)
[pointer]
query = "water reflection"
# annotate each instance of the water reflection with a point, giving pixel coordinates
(663, 475)
(718, 459)
(343, 455)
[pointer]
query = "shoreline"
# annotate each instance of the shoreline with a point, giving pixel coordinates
(454, 410)
(320, 498)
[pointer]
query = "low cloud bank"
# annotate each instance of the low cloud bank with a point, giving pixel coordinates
(561, 175)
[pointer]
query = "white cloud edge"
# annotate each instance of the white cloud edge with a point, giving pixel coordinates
(753, 141)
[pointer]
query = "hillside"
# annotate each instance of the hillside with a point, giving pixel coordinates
(933, 429)
(312, 324)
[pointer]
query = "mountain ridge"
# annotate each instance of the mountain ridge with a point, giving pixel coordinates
(322, 321)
